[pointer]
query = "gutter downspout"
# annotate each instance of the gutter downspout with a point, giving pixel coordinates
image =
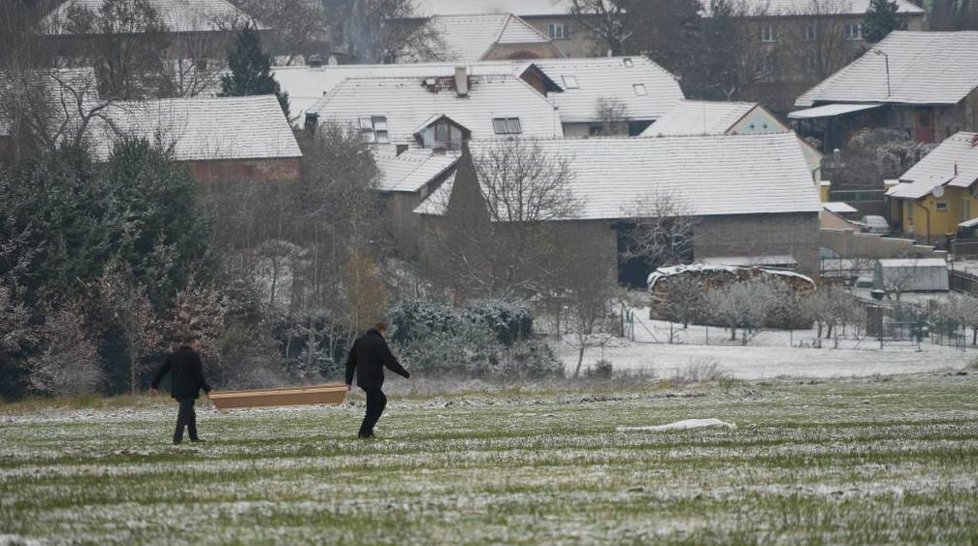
(926, 210)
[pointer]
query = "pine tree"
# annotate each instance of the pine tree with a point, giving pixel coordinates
(880, 19)
(251, 70)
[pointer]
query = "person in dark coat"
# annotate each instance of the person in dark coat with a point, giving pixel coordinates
(368, 357)
(186, 379)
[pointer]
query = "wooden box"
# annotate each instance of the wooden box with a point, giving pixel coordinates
(329, 395)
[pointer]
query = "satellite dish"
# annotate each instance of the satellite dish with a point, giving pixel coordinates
(938, 192)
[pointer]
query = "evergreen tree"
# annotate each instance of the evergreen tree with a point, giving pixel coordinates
(880, 19)
(251, 70)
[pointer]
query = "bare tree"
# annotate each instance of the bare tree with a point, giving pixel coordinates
(662, 229)
(745, 304)
(613, 113)
(382, 30)
(953, 15)
(606, 20)
(298, 28)
(500, 238)
(129, 308)
(124, 40)
(68, 363)
(815, 39)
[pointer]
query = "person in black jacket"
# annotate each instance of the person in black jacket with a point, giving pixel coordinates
(186, 379)
(368, 357)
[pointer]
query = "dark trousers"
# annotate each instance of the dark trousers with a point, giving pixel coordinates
(186, 417)
(376, 402)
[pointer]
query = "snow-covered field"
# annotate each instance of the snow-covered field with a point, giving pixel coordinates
(770, 354)
(856, 461)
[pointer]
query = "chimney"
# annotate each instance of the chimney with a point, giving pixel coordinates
(462, 81)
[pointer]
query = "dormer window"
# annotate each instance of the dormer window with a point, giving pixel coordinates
(507, 126)
(373, 129)
(570, 82)
(640, 89)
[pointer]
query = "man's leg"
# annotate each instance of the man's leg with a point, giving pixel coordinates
(192, 420)
(182, 419)
(374, 408)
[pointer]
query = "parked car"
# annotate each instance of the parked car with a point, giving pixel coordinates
(874, 224)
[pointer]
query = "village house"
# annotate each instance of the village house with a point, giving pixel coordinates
(693, 117)
(938, 194)
(751, 195)
(591, 96)
(224, 139)
(469, 38)
(552, 18)
(193, 43)
(437, 113)
(790, 45)
(922, 83)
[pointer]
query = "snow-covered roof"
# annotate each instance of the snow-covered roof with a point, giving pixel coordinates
(523, 8)
(759, 8)
(645, 89)
(177, 15)
(923, 67)
(839, 207)
(307, 84)
(200, 129)
(830, 111)
(411, 170)
(913, 262)
(407, 102)
(712, 175)
(697, 117)
(953, 163)
(595, 78)
(468, 38)
(437, 203)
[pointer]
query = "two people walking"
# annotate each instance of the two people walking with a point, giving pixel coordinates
(368, 357)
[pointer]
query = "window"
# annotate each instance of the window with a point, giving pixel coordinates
(441, 132)
(811, 32)
(942, 206)
(556, 31)
(908, 213)
(373, 129)
(507, 126)
(768, 35)
(570, 82)
(853, 31)
(811, 64)
(640, 89)
(965, 209)
(767, 65)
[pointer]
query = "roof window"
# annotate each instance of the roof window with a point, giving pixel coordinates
(507, 126)
(640, 89)
(373, 129)
(570, 82)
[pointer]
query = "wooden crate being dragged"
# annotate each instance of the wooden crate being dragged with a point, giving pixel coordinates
(328, 395)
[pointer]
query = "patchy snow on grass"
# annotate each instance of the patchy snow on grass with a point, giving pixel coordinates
(685, 424)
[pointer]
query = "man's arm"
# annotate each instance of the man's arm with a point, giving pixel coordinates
(391, 362)
(164, 369)
(351, 365)
(199, 371)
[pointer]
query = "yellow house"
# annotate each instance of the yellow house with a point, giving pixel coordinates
(938, 193)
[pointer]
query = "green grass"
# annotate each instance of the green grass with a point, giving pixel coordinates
(857, 461)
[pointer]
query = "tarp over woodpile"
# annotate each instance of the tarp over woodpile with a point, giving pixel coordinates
(715, 277)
